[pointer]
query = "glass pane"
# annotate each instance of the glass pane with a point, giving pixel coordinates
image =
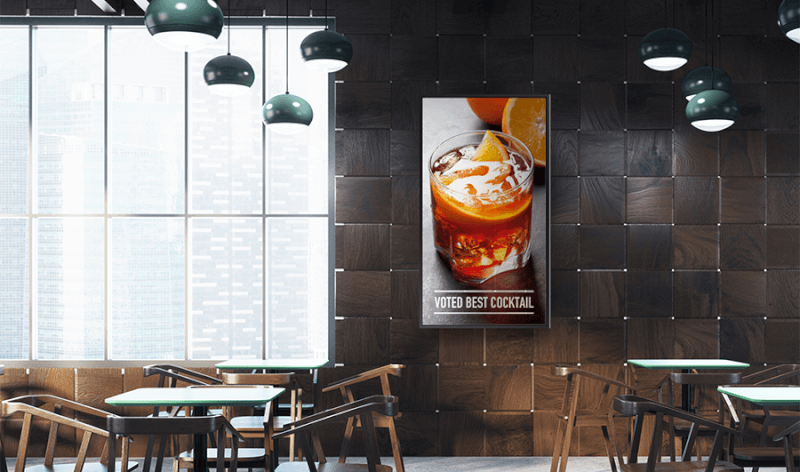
(225, 141)
(69, 120)
(227, 302)
(297, 165)
(297, 287)
(14, 288)
(146, 117)
(14, 93)
(69, 305)
(147, 287)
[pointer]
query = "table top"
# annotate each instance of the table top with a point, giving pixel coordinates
(688, 364)
(203, 396)
(273, 364)
(765, 395)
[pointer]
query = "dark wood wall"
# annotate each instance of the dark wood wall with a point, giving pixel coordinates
(666, 241)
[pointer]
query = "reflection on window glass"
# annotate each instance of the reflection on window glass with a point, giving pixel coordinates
(14, 95)
(69, 288)
(14, 292)
(147, 288)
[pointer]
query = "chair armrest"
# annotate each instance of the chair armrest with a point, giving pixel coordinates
(340, 408)
(180, 373)
(632, 405)
(12, 406)
(384, 405)
(393, 369)
(561, 371)
(793, 429)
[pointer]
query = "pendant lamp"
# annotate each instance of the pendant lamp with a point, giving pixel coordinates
(665, 49)
(705, 78)
(287, 113)
(789, 19)
(184, 25)
(326, 51)
(228, 75)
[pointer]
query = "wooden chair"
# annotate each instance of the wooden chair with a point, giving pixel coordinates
(251, 426)
(39, 410)
(159, 425)
(365, 410)
(702, 384)
(345, 386)
(783, 374)
(570, 416)
(790, 452)
(639, 407)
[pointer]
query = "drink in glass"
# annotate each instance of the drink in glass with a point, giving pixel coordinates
(481, 187)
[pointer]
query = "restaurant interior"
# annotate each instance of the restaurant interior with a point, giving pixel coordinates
(665, 241)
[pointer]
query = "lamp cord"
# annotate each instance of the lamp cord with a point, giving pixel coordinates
(326, 15)
(229, 27)
(666, 22)
(287, 47)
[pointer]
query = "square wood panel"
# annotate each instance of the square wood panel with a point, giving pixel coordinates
(372, 61)
(649, 247)
(405, 151)
(406, 104)
(782, 153)
(563, 153)
(752, 100)
(509, 59)
(461, 347)
(414, 18)
(742, 247)
(554, 345)
(412, 344)
(698, 339)
(783, 247)
(565, 194)
(363, 341)
(565, 106)
(509, 347)
(648, 200)
(363, 105)
(783, 294)
(602, 106)
(602, 200)
(565, 293)
(564, 246)
(601, 59)
(743, 340)
(649, 106)
(743, 200)
(602, 247)
(362, 152)
(602, 294)
(743, 294)
(461, 433)
(363, 247)
(363, 293)
(602, 153)
(696, 152)
(509, 434)
(414, 57)
(461, 57)
(648, 153)
(783, 113)
(405, 246)
(363, 200)
(650, 338)
(602, 342)
(406, 289)
(696, 200)
(695, 247)
(406, 203)
(555, 58)
(556, 17)
(648, 294)
(742, 153)
(780, 341)
(696, 294)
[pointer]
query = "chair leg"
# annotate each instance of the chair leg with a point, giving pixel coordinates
(398, 457)
(567, 443)
(609, 448)
(557, 446)
(348, 433)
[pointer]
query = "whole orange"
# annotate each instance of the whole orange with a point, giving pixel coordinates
(488, 109)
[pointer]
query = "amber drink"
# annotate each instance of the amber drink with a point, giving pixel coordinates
(481, 185)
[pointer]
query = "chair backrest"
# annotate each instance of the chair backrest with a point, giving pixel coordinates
(285, 380)
(53, 410)
(306, 428)
(707, 383)
(161, 425)
(574, 377)
(779, 374)
(345, 385)
(169, 375)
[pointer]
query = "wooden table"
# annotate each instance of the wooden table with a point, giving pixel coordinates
(271, 364)
(686, 365)
(199, 399)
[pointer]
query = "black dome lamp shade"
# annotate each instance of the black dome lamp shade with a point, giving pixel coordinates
(712, 110)
(326, 51)
(228, 75)
(287, 113)
(184, 25)
(705, 78)
(665, 49)
(789, 19)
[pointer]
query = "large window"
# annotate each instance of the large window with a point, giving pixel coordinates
(143, 218)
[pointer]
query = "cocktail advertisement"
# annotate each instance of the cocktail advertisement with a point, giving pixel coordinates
(485, 212)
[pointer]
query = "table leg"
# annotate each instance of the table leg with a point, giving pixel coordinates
(200, 460)
(686, 394)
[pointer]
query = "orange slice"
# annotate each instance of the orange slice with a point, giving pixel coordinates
(489, 109)
(526, 120)
(490, 149)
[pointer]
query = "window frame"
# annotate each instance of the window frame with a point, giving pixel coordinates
(32, 22)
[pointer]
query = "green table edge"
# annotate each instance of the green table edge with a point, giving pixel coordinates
(676, 364)
(168, 400)
(762, 400)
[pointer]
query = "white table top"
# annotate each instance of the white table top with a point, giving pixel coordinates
(765, 395)
(688, 364)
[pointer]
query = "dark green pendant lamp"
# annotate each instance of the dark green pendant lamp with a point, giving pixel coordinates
(789, 19)
(326, 51)
(287, 113)
(184, 25)
(665, 49)
(228, 75)
(705, 78)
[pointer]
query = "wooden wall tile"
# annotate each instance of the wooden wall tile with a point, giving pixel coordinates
(565, 200)
(602, 200)
(406, 200)
(509, 59)
(644, 16)
(555, 58)
(407, 104)
(363, 200)
(743, 200)
(601, 60)
(602, 153)
(405, 246)
(782, 110)
(549, 391)
(742, 340)
(461, 347)
(782, 153)
(696, 294)
(363, 16)
(405, 149)
(461, 57)
(695, 247)
(742, 59)
(362, 152)
(779, 60)
(463, 388)
(742, 294)
(732, 21)
(783, 294)
(602, 19)
(510, 19)
(363, 293)
(602, 106)
(565, 108)
(461, 433)
(602, 247)
(371, 62)
(698, 339)
(406, 288)
(563, 153)
(508, 88)
(545, 425)
(414, 57)
(363, 247)
(564, 246)
(564, 293)
(648, 153)
(780, 341)
(509, 434)
(742, 154)
(649, 106)
(14, 383)
(783, 247)
(54, 381)
(555, 345)
(417, 387)
(742, 247)
(696, 200)
(418, 434)
(94, 385)
(648, 200)
(363, 341)
(363, 105)
(602, 294)
(512, 389)
(510, 347)
(696, 153)
(412, 344)
(648, 294)
(752, 100)
(457, 17)
(602, 342)
(414, 18)
(556, 17)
